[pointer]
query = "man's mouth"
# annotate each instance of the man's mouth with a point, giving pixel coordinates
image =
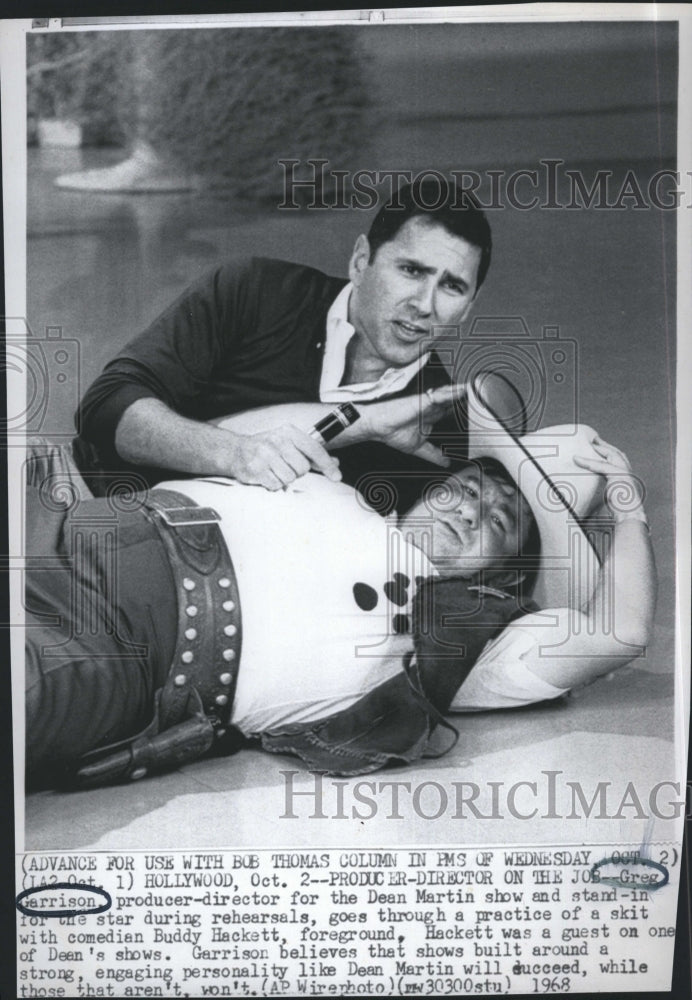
(410, 331)
(453, 531)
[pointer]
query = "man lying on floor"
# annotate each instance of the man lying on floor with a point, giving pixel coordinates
(207, 615)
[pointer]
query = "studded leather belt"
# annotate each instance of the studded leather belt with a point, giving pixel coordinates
(209, 623)
(193, 709)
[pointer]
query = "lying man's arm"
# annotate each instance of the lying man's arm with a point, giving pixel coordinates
(532, 661)
(615, 624)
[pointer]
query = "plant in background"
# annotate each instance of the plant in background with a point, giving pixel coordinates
(223, 104)
(75, 77)
(228, 104)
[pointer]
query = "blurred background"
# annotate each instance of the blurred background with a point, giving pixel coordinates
(210, 112)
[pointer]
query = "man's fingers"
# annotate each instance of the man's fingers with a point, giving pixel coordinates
(270, 481)
(602, 465)
(588, 463)
(275, 459)
(282, 471)
(437, 402)
(295, 458)
(602, 447)
(432, 454)
(316, 454)
(605, 451)
(440, 401)
(604, 444)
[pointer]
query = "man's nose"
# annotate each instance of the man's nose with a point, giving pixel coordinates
(468, 512)
(424, 297)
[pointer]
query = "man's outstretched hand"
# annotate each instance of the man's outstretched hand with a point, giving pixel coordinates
(406, 422)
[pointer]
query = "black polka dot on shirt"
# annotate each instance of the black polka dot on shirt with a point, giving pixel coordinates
(401, 624)
(365, 596)
(396, 589)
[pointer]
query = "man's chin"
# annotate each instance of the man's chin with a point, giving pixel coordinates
(401, 348)
(402, 358)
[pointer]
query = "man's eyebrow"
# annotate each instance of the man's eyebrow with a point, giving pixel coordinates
(508, 511)
(457, 280)
(416, 263)
(426, 269)
(505, 507)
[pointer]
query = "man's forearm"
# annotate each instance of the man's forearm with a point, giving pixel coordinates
(613, 625)
(150, 433)
(399, 422)
(271, 445)
(304, 416)
(625, 595)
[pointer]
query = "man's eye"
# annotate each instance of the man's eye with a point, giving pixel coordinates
(498, 521)
(453, 287)
(410, 268)
(469, 490)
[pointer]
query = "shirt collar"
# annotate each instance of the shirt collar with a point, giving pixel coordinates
(339, 333)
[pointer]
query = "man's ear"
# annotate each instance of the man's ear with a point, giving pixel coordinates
(466, 310)
(473, 303)
(360, 258)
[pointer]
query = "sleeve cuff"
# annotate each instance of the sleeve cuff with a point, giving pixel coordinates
(103, 428)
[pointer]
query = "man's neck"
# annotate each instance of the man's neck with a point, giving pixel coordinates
(360, 364)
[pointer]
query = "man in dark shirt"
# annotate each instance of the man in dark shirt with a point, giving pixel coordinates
(268, 332)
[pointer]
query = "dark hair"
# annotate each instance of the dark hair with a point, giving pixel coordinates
(522, 569)
(458, 212)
